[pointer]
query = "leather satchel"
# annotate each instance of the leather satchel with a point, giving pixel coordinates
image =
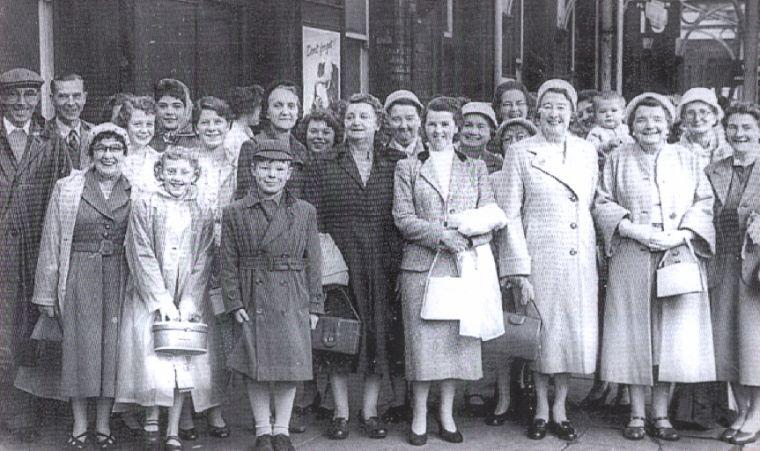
(678, 272)
(335, 333)
(522, 333)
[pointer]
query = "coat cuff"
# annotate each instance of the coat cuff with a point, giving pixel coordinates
(43, 301)
(514, 267)
(317, 305)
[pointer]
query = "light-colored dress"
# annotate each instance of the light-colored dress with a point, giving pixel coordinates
(139, 168)
(168, 245)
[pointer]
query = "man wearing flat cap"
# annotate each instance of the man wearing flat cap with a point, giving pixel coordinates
(31, 161)
(404, 111)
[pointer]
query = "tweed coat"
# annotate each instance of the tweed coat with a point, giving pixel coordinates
(25, 188)
(732, 314)
(630, 340)
(245, 181)
(550, 237)
(717, 150)
(79, 156)
(165, 267)
(278, 297)
(359, 219)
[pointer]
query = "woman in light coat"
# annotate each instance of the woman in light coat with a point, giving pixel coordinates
(428, 189)
(653, 197)
(137, 115)
(548, 249)
(82, 276)
(735, 299)
(703, 134)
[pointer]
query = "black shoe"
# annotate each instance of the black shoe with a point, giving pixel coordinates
(297, 421)
(219, 432)
(104, 441)
(564, 430)
(537, 429)
(281, 442)
(635, 432)
(416, 439)
(172, 443)
(78, 442)
(745, 438)
(373, 427)
(448, 436)
(663, 433)
(397, 414)
(497, 419)
(188, 434)
(338, 429)
(728, 435)
(263, 443)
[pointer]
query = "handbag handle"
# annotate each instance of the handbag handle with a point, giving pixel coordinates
(522, 309)
(347, 299)
(688, 244)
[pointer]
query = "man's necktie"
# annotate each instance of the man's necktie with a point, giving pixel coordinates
(73, 140)
(17, 140)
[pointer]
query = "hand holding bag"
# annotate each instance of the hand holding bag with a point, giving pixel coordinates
(444, 296)
(679, 272)
(338, 334)
(522, 333)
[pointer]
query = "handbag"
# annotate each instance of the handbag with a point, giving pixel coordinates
(676, 275)
(443, 299)
(522, 333)
(338, 334)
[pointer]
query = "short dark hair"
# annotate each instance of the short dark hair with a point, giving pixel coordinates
(105, 135)
(319, 115)
(112, 102)
(66, 77)
(742, 108)
(284, 84)
(649, 102)
(509, 85)
(142, 103)
(245, 99)
(169, 87)
(447, 104)
(214, 104)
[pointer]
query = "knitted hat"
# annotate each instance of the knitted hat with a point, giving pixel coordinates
(560, 85)
(481, 108)
(402, 94)
(700, 95)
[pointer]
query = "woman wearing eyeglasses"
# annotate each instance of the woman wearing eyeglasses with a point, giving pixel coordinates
(701, 118)
(81, 279)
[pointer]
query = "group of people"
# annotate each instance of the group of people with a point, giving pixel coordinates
(216, 212)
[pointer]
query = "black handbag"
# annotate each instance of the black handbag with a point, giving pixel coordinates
(336, 333)
(522, 333)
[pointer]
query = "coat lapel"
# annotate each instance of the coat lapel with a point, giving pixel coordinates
(33, 146)
(428, 173)
(93, 195)
(8, 163)
(459, 177)
(120, 195)
(281, 222)
(720, 178)
(346, 162)
(752, 192)
(547, 162)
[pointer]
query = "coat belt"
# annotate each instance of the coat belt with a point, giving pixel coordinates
(103, 247)
(273, 263)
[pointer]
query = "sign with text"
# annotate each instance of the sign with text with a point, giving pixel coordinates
(321, 68)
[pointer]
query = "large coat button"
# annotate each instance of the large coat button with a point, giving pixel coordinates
(573, 252)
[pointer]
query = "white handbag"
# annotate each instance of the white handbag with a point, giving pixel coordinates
(444, 297)
(677, 275)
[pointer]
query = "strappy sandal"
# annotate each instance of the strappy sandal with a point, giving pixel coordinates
(635, 432)
(151, 437)
(104, 441)
(78, 442)
(663, 433)
(176, 446)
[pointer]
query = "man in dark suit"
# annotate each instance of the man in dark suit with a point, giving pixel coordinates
(31, 161)
(69, 98)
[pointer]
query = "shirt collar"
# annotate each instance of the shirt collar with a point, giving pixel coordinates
(9, 127)
(411, 149)
(64, 130)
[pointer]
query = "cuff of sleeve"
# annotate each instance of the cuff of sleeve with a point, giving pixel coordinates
(514, 267)
(44, 301)
(231, 305)
(317, 305)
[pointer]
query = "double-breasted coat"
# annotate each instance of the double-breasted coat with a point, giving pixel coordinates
(25, 187)
(547, 191)
(434, 349)
(735, 304)
(640, 330)
(272, 267)
(359, 219)
(169, 249)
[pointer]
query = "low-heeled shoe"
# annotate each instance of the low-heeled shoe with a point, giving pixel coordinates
(281, 442)
(263, 443)
(745, 438)
(635, 432)
(373, 427)
(537, 429)
(564, 430)
(728, 435)
(416, 439)
(188, 434)
(338, 429)
(497, 419)
(663, 433)
(450, 437)
(219, 432)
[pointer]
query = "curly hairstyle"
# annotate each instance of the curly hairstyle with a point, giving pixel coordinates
(245, 99)
(742, 108)
(451, 105)
(650, 102)
(175, 154)
(283, 84)
(374, 102)
(142, 103)
(215, 104)
(319, 115)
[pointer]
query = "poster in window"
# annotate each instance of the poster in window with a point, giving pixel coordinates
(321, 68)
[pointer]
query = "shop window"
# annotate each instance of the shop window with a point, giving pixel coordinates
(357, 47)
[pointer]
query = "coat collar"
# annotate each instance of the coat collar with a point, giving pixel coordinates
(36, 142)
(283, 218)
(254, 198)
(720, 174)
(427, 171)
(382, 156)
(93, 195)
(547, 163)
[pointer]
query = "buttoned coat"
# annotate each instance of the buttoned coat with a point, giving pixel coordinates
(278, 300)
(550, 238)
(686, 353)
(358, 218)
(143, 377)
(79, 157)
(731, 316)
(25, 188)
